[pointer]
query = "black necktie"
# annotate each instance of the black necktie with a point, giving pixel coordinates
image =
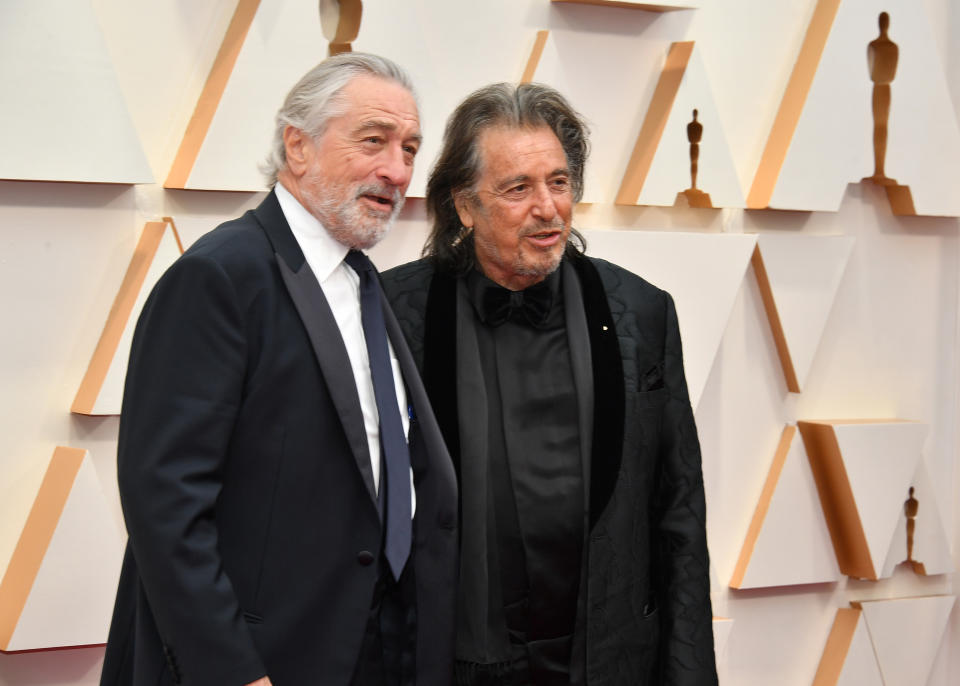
(392, 440)
(530, 306)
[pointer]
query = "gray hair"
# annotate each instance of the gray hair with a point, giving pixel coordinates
(317, 98)
(458, 167)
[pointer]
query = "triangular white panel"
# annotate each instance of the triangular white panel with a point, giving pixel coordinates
(931, 548)
(804, 273)
(860, 667)
(880, 459)
(670, 171)
(906, 635)
(592, 70)
(722, 626)
(283, 42)
(793, 545)
(285, 39)
(681, 263)
(71, 599)
(101, 392)
(64, 117)
(832, 144)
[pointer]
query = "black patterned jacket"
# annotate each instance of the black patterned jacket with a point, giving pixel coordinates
(645, 613)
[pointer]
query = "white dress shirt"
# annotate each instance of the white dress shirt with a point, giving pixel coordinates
(341, 287)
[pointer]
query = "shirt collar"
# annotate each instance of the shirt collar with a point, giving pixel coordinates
(322, 251)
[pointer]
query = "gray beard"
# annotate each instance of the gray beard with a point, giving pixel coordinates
(521, 268)
(350, 223)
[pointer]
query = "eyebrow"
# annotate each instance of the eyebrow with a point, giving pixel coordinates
(387, 125)
(512, 180)
(559, 171)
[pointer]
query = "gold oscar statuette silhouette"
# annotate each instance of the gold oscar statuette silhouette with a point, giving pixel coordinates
(695, 197)
(882, 57)
(910, 508)
(340, 22)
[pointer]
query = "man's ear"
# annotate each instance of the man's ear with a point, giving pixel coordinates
(296, 144)
(462, 203)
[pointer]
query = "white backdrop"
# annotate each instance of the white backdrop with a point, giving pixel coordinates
(890, 345)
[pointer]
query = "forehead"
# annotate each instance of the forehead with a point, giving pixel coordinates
(369, 98)
(508, 151)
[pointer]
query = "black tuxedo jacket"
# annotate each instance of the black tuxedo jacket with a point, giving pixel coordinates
(246, 485)
(644, 608)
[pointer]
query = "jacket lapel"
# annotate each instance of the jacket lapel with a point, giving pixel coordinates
(440, 359)
(608, 389)
(323, 332)
(580, 365)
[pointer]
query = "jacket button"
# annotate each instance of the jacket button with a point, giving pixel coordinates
(365, 558)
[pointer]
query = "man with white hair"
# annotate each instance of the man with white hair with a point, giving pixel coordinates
(290, 503)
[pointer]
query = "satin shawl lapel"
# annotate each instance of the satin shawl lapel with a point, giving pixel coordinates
(324, 334)
(440, 359)
(608, 389)
(581, 366)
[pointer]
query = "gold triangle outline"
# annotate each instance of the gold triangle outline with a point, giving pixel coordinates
(34, 541)
(120, 312)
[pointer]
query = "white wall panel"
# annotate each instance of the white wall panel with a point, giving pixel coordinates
(889, 345)
(63, 116)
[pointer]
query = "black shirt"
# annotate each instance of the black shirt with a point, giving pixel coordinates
(536, 474)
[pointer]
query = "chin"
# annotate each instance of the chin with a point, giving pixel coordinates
(362, 233)
(544, 266)
(366, 239)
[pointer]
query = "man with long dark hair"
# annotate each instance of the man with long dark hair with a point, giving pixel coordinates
(558, 382)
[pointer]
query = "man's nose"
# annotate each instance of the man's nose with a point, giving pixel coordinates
(544, 204)
(395, 167)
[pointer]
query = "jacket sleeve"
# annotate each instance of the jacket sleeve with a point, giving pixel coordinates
(181, 399)
(687, 656)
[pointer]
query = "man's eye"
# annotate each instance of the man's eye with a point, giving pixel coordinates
(410, 150)
(561, 184)
(376, 140)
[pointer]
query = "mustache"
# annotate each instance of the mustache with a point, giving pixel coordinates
(382, 189)
(556, 224)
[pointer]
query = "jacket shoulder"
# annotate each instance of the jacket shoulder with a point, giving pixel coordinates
(407, 287)
(627, 291)
(233, 240)
(239, 248)
(416, 272)
(615, 277)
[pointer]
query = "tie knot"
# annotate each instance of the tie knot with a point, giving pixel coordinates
(358, 261)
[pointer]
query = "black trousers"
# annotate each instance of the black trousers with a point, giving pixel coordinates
(388, 654)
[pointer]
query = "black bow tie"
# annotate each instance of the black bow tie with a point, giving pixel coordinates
(530, 306)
